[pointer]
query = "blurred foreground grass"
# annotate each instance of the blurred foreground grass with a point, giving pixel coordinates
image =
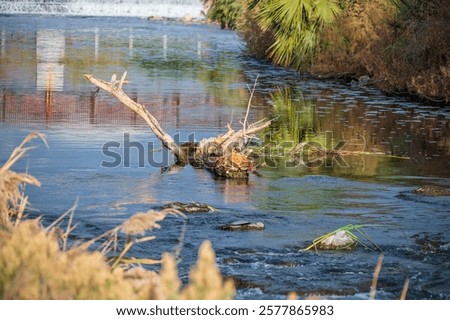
(35, 262)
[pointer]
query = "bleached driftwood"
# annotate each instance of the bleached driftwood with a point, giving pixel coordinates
(225, 155)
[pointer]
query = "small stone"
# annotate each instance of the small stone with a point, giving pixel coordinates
(230, 260)
(364, 81)
(190, 207)
(337, 241)
(243, 225)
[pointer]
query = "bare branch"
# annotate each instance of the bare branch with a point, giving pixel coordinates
(252, 92)
(140, 109)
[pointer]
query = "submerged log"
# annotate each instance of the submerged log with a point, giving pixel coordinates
(224, 155)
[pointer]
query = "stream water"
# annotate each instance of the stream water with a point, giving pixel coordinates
(194, 79)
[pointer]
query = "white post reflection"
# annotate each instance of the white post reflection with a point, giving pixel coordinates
(50, 51)
(3, 44)
(199, 48)
(165, 47)
(96, 43)
(130, 43)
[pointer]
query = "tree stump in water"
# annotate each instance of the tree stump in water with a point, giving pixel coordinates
(225, 155)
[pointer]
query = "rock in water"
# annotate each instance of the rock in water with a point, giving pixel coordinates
(432, 191)
(337, 241)
(190, 207)
(243, 225)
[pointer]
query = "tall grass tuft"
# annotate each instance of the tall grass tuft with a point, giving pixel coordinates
(205, 280)
(13, 201)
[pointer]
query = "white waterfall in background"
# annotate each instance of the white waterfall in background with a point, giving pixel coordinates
(129, 8)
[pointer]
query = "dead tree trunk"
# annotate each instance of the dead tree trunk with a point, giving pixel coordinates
(225, 155)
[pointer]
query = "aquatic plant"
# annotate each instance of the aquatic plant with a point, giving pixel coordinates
(297, 117)
(343, 238)
(35, 265)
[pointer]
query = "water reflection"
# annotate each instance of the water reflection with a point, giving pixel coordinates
(170, 73)
(130, 43)
(371, 140)
(50, 51)
(3, 43)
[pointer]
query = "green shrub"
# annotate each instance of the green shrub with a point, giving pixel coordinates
(224, 12)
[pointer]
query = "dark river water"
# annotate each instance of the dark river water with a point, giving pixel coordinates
(194, 79)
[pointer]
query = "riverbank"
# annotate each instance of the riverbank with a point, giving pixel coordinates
(400, 47)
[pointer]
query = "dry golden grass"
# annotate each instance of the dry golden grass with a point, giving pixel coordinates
(34, 262)
(12, 198)
(412, 56)
(32, 266)
(205, 280)
(141, 222)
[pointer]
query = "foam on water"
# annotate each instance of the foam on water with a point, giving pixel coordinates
(129, 8)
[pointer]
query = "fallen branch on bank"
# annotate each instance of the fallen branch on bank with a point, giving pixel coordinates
(225, 155)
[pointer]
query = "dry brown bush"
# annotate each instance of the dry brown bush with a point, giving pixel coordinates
(256, 39)
(346, 47)
(404, 52)
(413, 56)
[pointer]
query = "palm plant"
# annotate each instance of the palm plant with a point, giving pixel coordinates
(295, 25)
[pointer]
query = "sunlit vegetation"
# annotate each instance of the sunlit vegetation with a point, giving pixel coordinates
(305, 137)
(296, 27)
(36, 262)
(401, 45)
(298, 117)
(225, 12)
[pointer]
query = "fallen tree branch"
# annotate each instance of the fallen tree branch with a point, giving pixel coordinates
(223, 155)
(115, 88)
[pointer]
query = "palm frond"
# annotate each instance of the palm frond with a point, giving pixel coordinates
(295, 25)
